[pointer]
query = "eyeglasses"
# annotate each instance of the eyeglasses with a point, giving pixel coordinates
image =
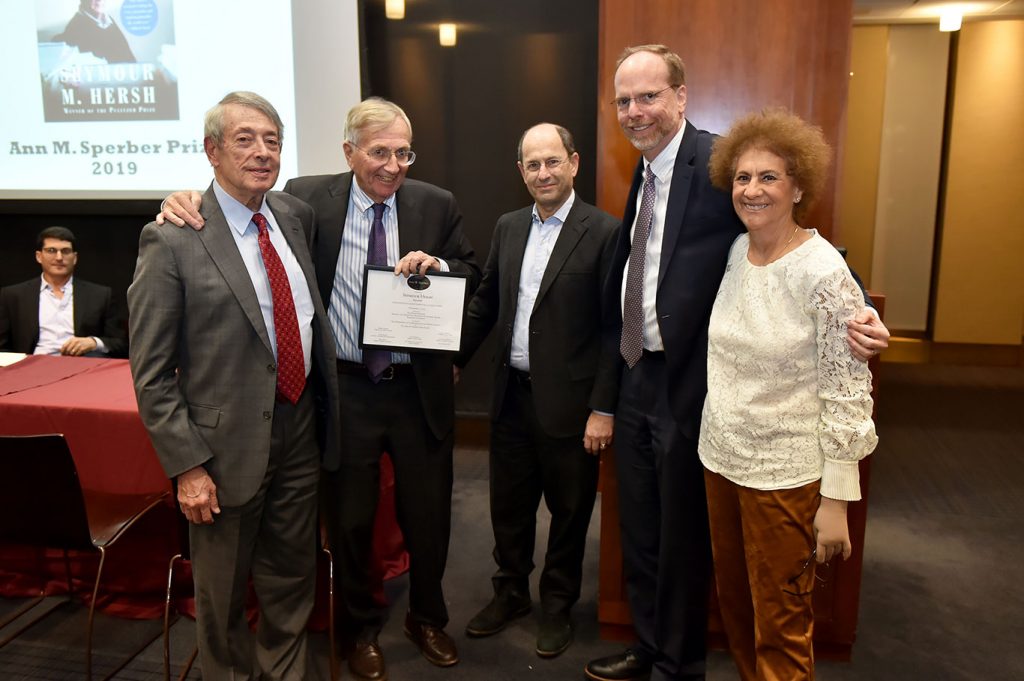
(404, 156)
(50, 250)
(551, 164)
(642, 101)
(795, 589)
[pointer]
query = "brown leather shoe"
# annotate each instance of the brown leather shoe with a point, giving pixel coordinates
(366, 661)
(435, 645)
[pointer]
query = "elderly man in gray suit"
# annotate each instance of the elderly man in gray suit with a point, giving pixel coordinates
(233, 362)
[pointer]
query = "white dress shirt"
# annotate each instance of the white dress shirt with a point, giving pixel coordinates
(662, 166)
(56, 317)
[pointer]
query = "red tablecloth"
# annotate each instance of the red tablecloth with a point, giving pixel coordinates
(92, 403)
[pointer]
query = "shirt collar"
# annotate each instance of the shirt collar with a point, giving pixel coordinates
(363, 201)
(45, 285)
(561, 214)
(238, 215)
(664, 161)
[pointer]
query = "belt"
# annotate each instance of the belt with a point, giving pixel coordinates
(520, 377)
(356, 369)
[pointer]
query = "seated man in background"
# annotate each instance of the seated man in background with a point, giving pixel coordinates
(60, 314)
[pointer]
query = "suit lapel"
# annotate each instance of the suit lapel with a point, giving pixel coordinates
(568, 237)
(409, 221)
(330, 220)
(223, 250)
(512, 256)
(291, 228)
(679, 193)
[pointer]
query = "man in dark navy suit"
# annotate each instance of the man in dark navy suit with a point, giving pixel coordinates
(669, 260)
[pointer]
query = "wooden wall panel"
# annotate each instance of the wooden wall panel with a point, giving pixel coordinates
(740, 56)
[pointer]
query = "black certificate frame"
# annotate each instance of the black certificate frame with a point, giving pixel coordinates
(406, 348)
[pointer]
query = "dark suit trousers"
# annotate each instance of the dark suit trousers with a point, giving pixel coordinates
(273, 537)
(665, 545)
(526, 463)
(388, 417)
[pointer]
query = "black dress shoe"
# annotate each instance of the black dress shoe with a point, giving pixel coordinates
(366, 661)
(436, 646)
(632, 665)
(554, 635)
(497, 614)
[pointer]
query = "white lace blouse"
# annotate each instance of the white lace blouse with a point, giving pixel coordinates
(787, 403)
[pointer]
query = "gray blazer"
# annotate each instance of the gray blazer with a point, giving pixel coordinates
(201, 358)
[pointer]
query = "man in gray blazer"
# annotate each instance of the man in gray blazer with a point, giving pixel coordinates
(404, 405)
(554, 387)
(233, 363)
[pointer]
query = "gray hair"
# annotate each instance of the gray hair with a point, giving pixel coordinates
(371, 114)
(213, 124)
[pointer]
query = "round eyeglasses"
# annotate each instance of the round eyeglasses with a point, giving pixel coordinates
(404, 156)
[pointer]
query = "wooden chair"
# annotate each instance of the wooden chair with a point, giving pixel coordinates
(43, 505)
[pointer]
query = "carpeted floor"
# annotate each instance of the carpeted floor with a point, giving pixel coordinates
(942, 594)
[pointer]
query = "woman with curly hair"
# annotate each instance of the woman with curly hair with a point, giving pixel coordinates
(788, 410)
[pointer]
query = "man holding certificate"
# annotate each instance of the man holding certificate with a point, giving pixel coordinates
(398, 402)
(554, 387)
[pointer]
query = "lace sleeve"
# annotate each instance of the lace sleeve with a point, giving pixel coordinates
(846, 432)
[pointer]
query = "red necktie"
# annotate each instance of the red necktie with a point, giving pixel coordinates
(291, 368)
(631, 344)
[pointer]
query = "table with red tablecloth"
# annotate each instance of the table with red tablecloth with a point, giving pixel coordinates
(92, 403)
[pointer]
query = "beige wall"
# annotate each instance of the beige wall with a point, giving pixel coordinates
(858, 179)
(909, 168)
(980, 288)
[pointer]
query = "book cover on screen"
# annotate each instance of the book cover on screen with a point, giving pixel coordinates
(107, 60)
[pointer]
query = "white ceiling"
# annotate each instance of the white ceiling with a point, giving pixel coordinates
(926, 11)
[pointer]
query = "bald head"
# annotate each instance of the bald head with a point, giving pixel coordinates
(548, 163)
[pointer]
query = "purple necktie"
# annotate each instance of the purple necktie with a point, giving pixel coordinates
(377, 361)
(631, 345)
(291, 366)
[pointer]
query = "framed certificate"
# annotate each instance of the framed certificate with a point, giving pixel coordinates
(421, 313)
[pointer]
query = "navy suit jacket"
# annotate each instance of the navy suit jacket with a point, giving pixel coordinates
(429, 220)
(700, 226)
(95, 314)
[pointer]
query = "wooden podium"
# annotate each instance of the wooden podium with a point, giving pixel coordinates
(836, 600)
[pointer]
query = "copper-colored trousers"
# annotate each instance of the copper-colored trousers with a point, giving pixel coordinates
(762, 543)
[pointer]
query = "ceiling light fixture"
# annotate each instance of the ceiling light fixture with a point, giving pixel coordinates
(394, 9)
(950, 21)
(446, 35)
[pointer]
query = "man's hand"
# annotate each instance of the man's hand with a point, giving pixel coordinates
(599, 431)
(77, 345)
(866, 335)
(180, 208)
(831, 531)
(417, 262)
(197, 496)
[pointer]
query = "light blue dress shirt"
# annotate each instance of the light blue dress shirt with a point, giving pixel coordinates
(540, 243)
(246, 235)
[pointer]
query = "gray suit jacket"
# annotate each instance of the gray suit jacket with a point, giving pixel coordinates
(571, 369)
(95, 314)
(204, 371)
